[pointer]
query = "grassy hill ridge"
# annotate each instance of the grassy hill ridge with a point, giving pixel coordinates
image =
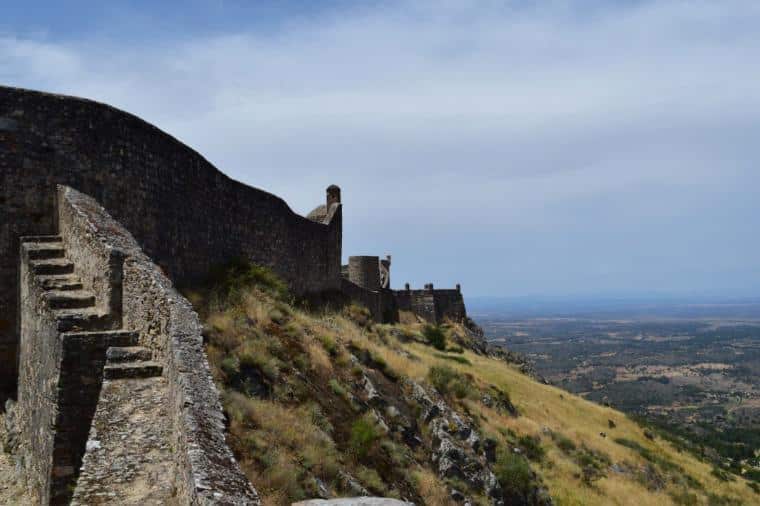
(326, 404)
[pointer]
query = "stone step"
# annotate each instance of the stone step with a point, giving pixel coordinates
(112, 338)
(70, 299)
(144, 369)
(52, 266)
(120, 354)
(41, 238)
(61, 282)
(44, 250)
(87, 319)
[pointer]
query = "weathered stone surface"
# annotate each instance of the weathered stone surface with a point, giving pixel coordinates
(433, 305)
(128, 454)
(354, 501)
(456, 450)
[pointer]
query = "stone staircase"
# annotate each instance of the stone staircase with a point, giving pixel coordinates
(111, 443)
(124, 362)
(73, 306)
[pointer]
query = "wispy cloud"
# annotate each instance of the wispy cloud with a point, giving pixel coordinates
(582, 131)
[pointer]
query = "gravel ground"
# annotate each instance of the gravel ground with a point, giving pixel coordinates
(11, 492)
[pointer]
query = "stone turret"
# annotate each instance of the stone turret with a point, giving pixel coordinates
(333, 195)
(364, 271)
(321, 212)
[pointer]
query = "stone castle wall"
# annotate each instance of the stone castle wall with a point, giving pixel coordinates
(434, 305)
(58, 400)
(183, 212)
(364, 271)
(362, 283)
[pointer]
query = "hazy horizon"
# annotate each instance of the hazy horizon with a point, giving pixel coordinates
(518, 148)
(642, 307)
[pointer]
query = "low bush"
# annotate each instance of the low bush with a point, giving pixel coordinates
(339, 390)
(450, 382)
(364, 433)
(514, 475)
(564, 443)
(230, 282)
(329, 344)
(531, 447)
(592, 463)
(435, 337)
(721, 474)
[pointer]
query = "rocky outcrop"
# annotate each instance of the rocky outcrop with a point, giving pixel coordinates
(457, 449)
(461, 453)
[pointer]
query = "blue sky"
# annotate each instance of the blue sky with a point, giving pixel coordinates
(520, 148)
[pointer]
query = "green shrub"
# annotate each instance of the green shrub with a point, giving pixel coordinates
(256, 359)
(230, 367)
(329, 344)
(396, 453)
(435, 337)
(721, 474)
(514, 474)
(564, 443)
(531, 447)
(372, 480)
(364, 433)
(241, 274)
(449, 381)
(592, 464)
(337, 388)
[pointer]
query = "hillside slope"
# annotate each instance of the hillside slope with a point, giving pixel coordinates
(327, 404)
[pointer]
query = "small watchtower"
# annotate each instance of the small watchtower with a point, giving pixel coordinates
(333, 195)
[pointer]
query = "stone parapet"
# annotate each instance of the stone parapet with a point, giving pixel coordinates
(206, 470)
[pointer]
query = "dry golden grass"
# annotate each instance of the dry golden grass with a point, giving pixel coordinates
(430, 488)
(284, 440)
(544, 407)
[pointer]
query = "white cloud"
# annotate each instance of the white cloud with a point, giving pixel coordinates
(492, 115)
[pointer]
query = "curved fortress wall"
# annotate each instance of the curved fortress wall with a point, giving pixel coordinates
(184, 213)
